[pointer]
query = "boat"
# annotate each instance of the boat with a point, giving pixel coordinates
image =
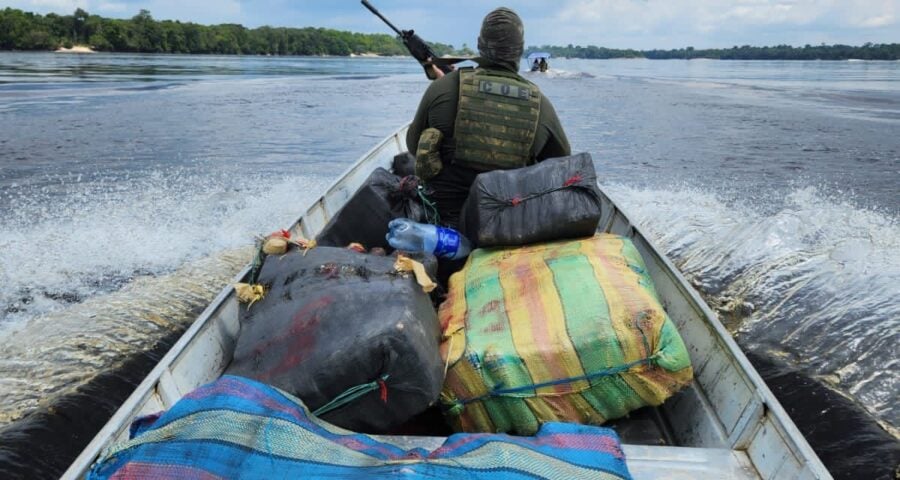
(533, 59)
(726, 425)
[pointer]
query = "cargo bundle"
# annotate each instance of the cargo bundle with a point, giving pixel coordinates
(345, 331)
(552, 200)
(238, 428)
(568, 331)
(364, 218)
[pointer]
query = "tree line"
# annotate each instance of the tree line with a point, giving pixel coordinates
(142, 33)
(869, 51)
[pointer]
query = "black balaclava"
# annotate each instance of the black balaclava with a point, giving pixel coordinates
(502, 39)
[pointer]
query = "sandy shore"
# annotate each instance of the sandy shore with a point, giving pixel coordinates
(76, 49)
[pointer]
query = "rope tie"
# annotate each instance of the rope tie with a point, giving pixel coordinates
(354, 393)
(431, 212)
(383, 390)
(575, 181)
(508, 392)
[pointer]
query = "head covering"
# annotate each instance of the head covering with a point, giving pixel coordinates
(502, 39)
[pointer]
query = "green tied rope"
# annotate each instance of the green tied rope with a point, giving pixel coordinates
(431, 212)
(354, 393)
(456, 406)
(498, 391)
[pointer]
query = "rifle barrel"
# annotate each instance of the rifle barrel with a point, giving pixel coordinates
(385, 20)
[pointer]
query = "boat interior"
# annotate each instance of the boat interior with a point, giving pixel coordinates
(727, 424)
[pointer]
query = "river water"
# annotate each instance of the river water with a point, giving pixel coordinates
(132, 186)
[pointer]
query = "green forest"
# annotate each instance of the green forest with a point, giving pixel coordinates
(869, 51)
(142, 33)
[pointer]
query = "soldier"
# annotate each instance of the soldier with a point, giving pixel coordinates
(473, 120)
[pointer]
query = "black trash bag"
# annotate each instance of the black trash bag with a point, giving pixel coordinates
(364, 218)
(404, 164)
(552, 200)
(335, 319)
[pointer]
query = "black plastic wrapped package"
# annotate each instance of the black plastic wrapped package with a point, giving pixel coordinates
(364, 218)
(334, 319)
(404, 164)
(555, 199)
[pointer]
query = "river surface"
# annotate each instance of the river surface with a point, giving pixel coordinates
(132, 186)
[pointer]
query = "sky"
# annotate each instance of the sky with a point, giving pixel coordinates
(640, 24)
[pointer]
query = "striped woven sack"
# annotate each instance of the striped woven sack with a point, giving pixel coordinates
(237, 428)
(568, 331)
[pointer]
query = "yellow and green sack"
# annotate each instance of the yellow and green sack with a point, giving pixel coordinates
(569, 331)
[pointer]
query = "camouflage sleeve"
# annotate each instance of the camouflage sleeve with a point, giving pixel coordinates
(437, 109)
(419, 123)
(551, 139)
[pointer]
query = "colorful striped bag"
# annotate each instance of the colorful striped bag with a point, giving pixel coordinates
(237, 428)
(568, 331)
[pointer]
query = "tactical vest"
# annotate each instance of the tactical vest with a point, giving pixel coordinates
(496, 121)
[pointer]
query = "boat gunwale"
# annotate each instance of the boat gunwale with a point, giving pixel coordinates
(769, 402)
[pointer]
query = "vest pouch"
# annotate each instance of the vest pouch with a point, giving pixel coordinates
(428, 154)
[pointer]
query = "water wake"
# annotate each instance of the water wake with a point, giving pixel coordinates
(97, 271)
(813, 283)
(70, 239)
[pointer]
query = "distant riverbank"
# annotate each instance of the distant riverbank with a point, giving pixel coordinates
(144, 34)
(868, 51)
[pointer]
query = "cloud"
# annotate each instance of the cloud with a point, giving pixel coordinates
(670, 23)
(880, 21)
(56, 5)
(112, 7)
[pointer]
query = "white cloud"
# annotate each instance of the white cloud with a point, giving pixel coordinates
(57, 5)
(880, 21)
(112, 7)
(649, 23)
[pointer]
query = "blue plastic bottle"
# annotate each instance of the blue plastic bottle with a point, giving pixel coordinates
(409, 236)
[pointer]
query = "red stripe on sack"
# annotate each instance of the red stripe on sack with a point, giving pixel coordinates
(573, 180)
(384, 392)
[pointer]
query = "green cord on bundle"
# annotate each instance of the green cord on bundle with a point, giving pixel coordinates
(352, 394)
(431, 212)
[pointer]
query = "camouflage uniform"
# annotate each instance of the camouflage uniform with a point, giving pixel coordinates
(472, 121)
(438, 111)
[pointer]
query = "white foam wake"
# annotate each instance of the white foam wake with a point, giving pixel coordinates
(815, 281)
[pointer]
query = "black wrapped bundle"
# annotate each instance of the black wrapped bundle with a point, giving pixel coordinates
(336, 319)
(404, 164)
(552, 200)
(364, 218)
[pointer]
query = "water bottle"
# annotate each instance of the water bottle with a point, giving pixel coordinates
(409, 236)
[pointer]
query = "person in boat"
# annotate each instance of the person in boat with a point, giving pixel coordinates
(457, 136)
(543, 66)
(536, 65)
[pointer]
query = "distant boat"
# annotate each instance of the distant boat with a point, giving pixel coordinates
(537, 61)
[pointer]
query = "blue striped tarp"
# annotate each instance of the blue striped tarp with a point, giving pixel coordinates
(239, 428)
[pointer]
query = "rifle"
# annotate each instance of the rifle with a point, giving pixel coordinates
(418, 48)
